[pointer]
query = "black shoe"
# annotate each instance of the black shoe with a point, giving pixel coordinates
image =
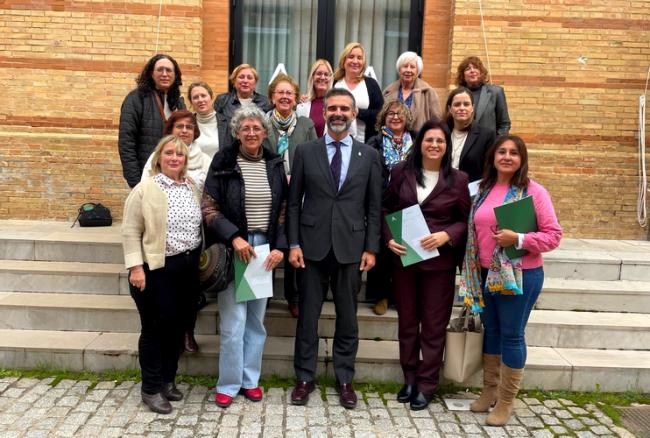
(421, 400)
(157, 403)
(171, 392)
(406, 393)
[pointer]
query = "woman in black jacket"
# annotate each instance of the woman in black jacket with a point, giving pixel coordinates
(244, 202)
(394, 142)
(469, 140)
(243, 80)
(145, 111)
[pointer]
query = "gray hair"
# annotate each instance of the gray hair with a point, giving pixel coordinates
(247, 111)
(410, 56)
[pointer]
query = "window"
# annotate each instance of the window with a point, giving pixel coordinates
(296, 33)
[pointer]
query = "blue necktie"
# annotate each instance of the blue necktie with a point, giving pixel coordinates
(335, 165)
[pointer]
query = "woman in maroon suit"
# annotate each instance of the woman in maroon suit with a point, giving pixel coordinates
(424, 292)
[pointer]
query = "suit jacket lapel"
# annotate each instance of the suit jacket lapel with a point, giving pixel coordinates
(472, 136)
(482, 101)
(324, 164)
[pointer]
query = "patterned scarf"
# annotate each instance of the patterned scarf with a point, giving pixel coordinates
(395, 151)
(285, 127)
(504, 275)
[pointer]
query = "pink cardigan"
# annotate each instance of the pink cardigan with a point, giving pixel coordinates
(545, 239)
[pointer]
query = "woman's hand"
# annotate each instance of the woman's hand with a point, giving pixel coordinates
(273, 259)
(435, 240)
(243, 249)
(137, 277)
(398, 249)
(506, 238)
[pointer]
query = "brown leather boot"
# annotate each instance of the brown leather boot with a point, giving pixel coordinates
(189, 343)
(508, 389)
(491, 378)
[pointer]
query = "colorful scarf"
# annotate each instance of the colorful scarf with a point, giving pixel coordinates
(285, 127)
(504, 275)
(395, 151)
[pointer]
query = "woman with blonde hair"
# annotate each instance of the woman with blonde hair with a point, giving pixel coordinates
(162, 239)
(243, 79)
(320, 80)
(366, 91)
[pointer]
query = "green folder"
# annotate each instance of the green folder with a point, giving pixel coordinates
(394, 221)
(518, 216)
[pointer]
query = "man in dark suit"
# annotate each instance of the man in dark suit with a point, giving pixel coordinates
(334, 229)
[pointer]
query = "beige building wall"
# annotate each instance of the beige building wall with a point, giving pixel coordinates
(65, 67)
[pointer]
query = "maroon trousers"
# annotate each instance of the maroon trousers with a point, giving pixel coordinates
(424, 300)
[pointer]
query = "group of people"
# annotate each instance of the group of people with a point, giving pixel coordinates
(313, 176)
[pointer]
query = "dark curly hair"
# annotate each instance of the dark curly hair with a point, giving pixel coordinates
(414, 159)
(146, 85)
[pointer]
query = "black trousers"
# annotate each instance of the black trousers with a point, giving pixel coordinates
(169, 297)
(379, 284)
(313, 283)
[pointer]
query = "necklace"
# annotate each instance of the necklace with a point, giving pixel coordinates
(458, 135)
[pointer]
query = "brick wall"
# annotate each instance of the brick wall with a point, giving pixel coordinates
(66, 65)
(579, 119)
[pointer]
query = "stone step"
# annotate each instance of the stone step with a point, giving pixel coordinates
(62, 277)
(596, 296)
(115, 313)
(546, 368)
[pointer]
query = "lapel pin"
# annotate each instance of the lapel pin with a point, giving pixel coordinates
(359, 153)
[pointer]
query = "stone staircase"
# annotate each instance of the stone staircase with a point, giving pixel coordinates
(64, 302)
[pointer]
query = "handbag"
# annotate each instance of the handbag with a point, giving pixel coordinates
(93, 215)
(463, 347)
(216, 268)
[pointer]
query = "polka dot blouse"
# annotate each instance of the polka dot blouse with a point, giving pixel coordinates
(183, 216)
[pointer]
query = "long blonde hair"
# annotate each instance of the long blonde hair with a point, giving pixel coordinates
(340, 70)
(310, 82)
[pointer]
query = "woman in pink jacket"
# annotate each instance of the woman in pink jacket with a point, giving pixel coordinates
(505, 290)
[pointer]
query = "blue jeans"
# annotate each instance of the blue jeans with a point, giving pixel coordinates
(242, 336)
(505, 317)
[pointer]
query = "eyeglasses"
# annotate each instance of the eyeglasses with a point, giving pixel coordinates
(253, 129)
(285, 93)
(322, 74)
(187, 126)
(394, 114)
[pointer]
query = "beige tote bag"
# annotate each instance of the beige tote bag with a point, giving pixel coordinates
(463, 347)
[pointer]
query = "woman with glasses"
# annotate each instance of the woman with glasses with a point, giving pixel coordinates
(367, 94)
(394, 142)
(244, 205)
(320, 80)
(424, 292)
(491, 109)
(288, 130)
(419, 96)
(145, 111)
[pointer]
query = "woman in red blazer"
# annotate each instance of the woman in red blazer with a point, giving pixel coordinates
(424, 292)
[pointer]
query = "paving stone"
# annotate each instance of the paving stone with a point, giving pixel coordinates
(550, 420)
(553, 404)
(531, 422)
(558, 429)
(561, 413)
(532, 401)
(540, 409)
(517, 431)
(471, 429)
(588, 421)
(577, 410)
(585, 434)
(601, 430)
(542, 433)
(574, 424)
(566, 402)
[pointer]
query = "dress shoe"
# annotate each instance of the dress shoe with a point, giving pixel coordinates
(293, 310)
(406, 393)
(157, 403)
(189, 343)
(347, 396)
(300, 393)
(381, 307)
(421, 400)
(222, 400)
(171, 392)
(253, 394)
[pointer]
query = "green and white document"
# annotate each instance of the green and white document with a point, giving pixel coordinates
(252, 281)
(408, 227)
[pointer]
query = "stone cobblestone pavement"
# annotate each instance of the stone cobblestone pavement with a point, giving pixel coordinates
(36, 408)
